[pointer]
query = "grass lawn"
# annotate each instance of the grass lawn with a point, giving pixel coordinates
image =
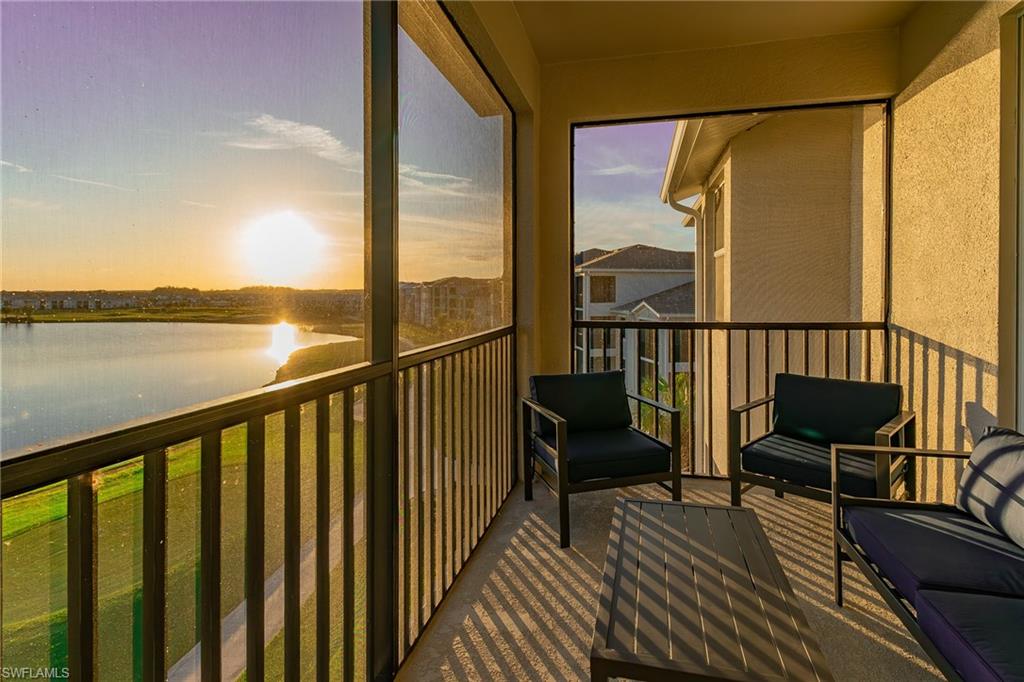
(35, 552)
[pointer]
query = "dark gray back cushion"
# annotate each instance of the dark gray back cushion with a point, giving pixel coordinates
(588, 402)
(833, 410)
(992, 486)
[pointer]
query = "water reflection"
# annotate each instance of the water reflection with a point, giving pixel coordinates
(283, 342)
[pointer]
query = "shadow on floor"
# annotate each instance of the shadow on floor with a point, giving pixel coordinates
(523, 609)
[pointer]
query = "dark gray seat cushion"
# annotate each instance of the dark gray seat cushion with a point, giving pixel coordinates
(588, 402)
(992, 486)
(937, 549)
(809, 464)
(833, 410)
(610, 454)
(981, 635)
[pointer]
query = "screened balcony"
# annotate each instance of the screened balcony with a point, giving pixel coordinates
(362, 517)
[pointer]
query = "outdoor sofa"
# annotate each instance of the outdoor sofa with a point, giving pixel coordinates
(953, 573)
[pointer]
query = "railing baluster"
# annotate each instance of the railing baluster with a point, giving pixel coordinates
(323, 538)
(154, 564)
(746, 377)
(728, 377)
(432, 451)
(348, 533)
(492, 427)
(807, 352)
(405, 465)
(654, 382)
(464, 449)
(445, 472)
(785, 351)
(846, 349)
(867, 359)
(292, 542)
(420, 492)
(81, 503)
(479, 443)
(255, 492)
(691, 400)
(708, 427)
(765, 352)
(826, 353)
(209, 576)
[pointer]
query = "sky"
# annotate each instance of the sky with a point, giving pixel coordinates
(618, 174)
(140, 141)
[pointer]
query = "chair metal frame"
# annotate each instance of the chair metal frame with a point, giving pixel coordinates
(845, 548)
(557, 477)
(889, 471)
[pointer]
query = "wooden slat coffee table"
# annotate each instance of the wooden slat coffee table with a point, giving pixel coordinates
(694, 592)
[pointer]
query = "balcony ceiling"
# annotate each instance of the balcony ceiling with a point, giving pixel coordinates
(572, 31)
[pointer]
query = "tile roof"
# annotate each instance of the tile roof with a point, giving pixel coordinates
(641, 257)
(678, 300)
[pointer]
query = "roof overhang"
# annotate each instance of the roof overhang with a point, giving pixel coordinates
(697, 145)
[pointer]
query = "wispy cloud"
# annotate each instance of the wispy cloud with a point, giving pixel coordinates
(16, 166)
(415, 180)
(272, 133)
(94, 183)
(197, 204)
(627, 169)
(639, 219)
(30, 204)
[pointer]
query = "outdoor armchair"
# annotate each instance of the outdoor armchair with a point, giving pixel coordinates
(809, 414)
(578, 435)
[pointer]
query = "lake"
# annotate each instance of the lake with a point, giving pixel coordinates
(62, 379)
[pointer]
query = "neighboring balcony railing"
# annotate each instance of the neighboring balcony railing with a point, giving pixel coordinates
(706, 368)
(160, 535)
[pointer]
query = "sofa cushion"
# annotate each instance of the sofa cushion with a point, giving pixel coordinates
(937, 549)
(588, 402)
(833, 410)
(809, 464)
(980, 634)
(610, 454)
(992, 486)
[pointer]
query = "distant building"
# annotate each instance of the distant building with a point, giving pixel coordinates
(474, 302)
(618, 284)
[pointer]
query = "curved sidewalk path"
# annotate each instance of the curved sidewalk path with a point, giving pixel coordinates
(232, 642)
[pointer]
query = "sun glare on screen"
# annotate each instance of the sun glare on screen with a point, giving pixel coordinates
(282, 249)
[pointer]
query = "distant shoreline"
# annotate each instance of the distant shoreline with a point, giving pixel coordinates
(194, 315)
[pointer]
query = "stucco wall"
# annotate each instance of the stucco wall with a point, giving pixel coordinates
(945, 226)
(833, 68)
(790, 218)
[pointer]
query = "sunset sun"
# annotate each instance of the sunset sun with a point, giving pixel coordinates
(282, 248)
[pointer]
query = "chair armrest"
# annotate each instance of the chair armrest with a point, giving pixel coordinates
(894, 426)
(747, 407)
(560, 451)
(653, 403)
(875, 450)
(676, 426)
(538, 409)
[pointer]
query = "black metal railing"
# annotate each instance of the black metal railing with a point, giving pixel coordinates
(456, 467)
(162, 534)
(706, 368)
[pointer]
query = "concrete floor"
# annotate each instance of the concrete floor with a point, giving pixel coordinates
(523, 609)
